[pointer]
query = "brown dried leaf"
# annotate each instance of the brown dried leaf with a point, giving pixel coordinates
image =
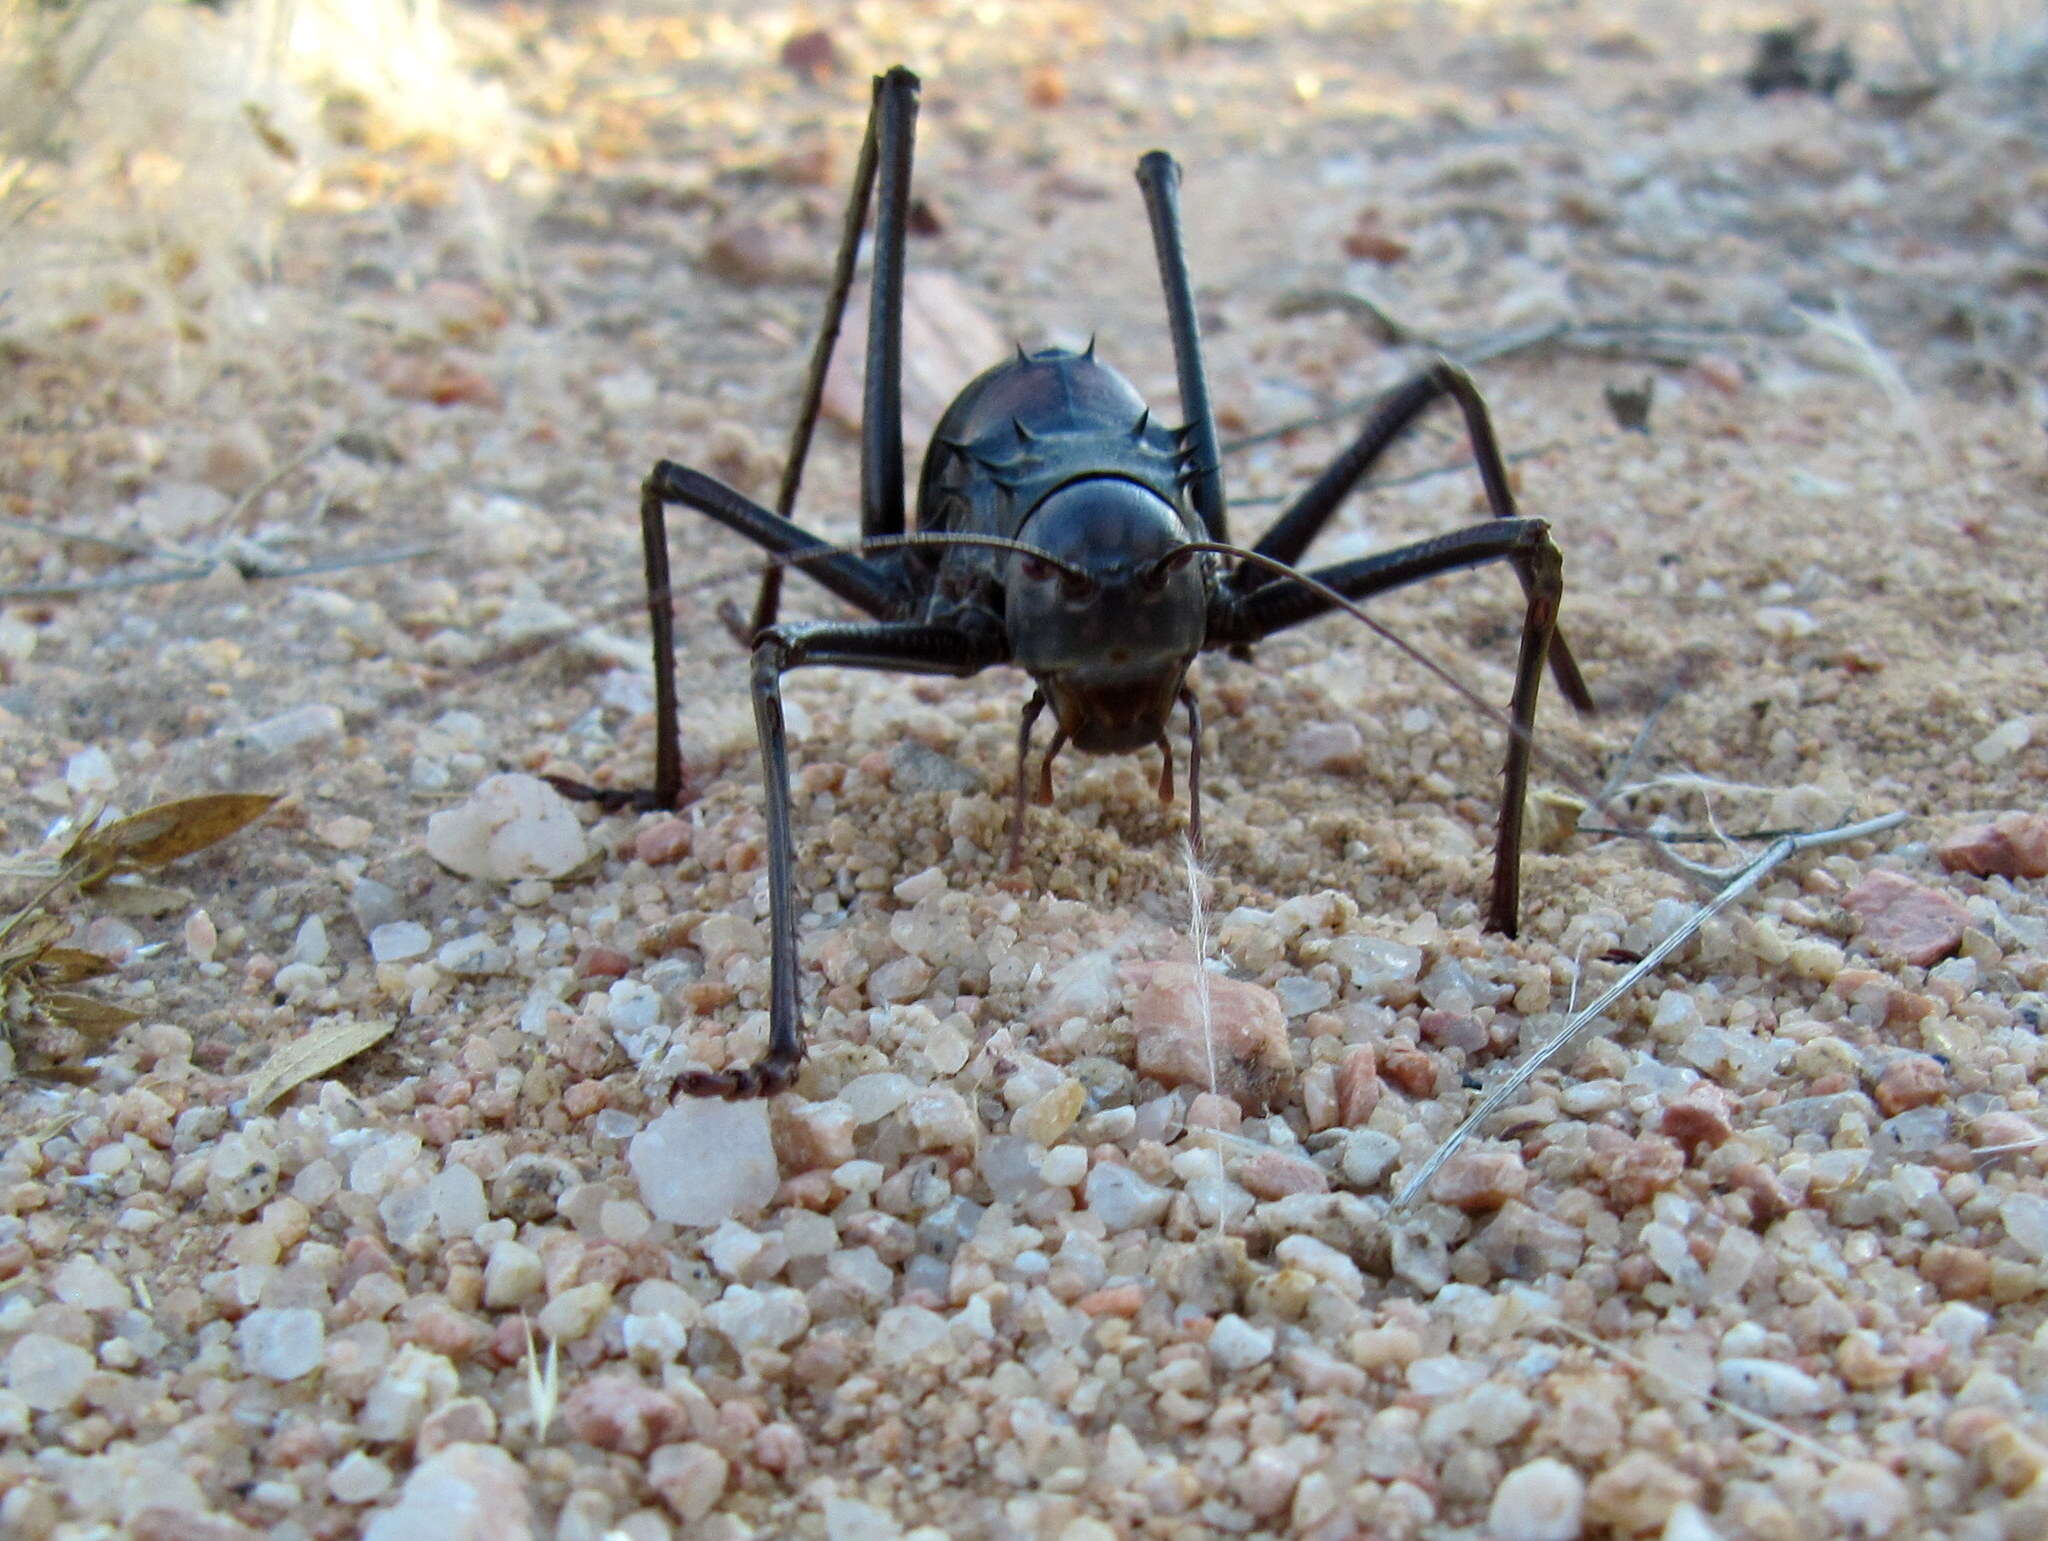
(85, 1013)
(329, 1044)
(162, 834)
(69, 966)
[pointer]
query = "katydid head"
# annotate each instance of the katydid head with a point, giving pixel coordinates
(1107, 610)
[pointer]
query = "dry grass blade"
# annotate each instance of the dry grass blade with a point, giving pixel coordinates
(163, 834)
(1741, 883)
(328, 1045)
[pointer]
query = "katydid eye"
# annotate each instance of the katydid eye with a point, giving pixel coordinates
(1037, 569)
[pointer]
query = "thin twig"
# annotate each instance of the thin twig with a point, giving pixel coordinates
(1741, 883)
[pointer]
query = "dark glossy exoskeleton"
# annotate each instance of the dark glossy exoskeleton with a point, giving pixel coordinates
(1062, 530)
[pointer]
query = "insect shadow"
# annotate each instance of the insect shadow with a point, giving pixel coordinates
(1061, 529)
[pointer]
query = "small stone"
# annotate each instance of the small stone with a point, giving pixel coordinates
(358, 1478)
(1358, 1085)
(942, 1120)
(767, 1317)
(1327, 748)
(474, 956)
(412, 1382)
(871, 1098)
(1235, 1344)
(1123, 1200)
(1541, 1501)
(1409, 1070)
(281, 1344)
(373, 904)
(1300, 994)
(1784, 623)
(1209, 1111)
(314, 723)
(921, 885)
(1272, 1174)
(1957, 1273)
(1322, 1260)
(1369, 1154)
(201, 937)
(47, 1372)
(575, 1312)
(1063, 1166)
(1378, 965)
(1050, 1115)
(90, 770)
(902, 1333)
(511, 827)
(527, 1189)
(1245, 1029)
(1768, 1387)
(848, 1519)
(900, 981)
(463, 1492)
(1520, 1243)
(2003, 741)
(916, 767)
(1698, 1119)
(464, 1421)
(2013, 845)
(309, 944)
(457, 1196)
(2026, 1223)
(513, 1275)
(1865, 1500)
(90, 1285)
(1906, 919)
(1820, 1114)
(1480, 1181)
(704, 1161)
(400, 940)
(662, 842)
(620, 1414)
(1636, 1495)
(1911, 1082)
(689, 1478)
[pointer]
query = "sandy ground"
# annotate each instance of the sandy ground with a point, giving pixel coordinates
(459, 325)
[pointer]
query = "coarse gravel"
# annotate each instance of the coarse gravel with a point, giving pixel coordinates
(1766, 1258)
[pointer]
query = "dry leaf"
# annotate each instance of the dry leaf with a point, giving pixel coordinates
(329, 1044)
(84, 1013)
(69, 965)
(166, 832)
